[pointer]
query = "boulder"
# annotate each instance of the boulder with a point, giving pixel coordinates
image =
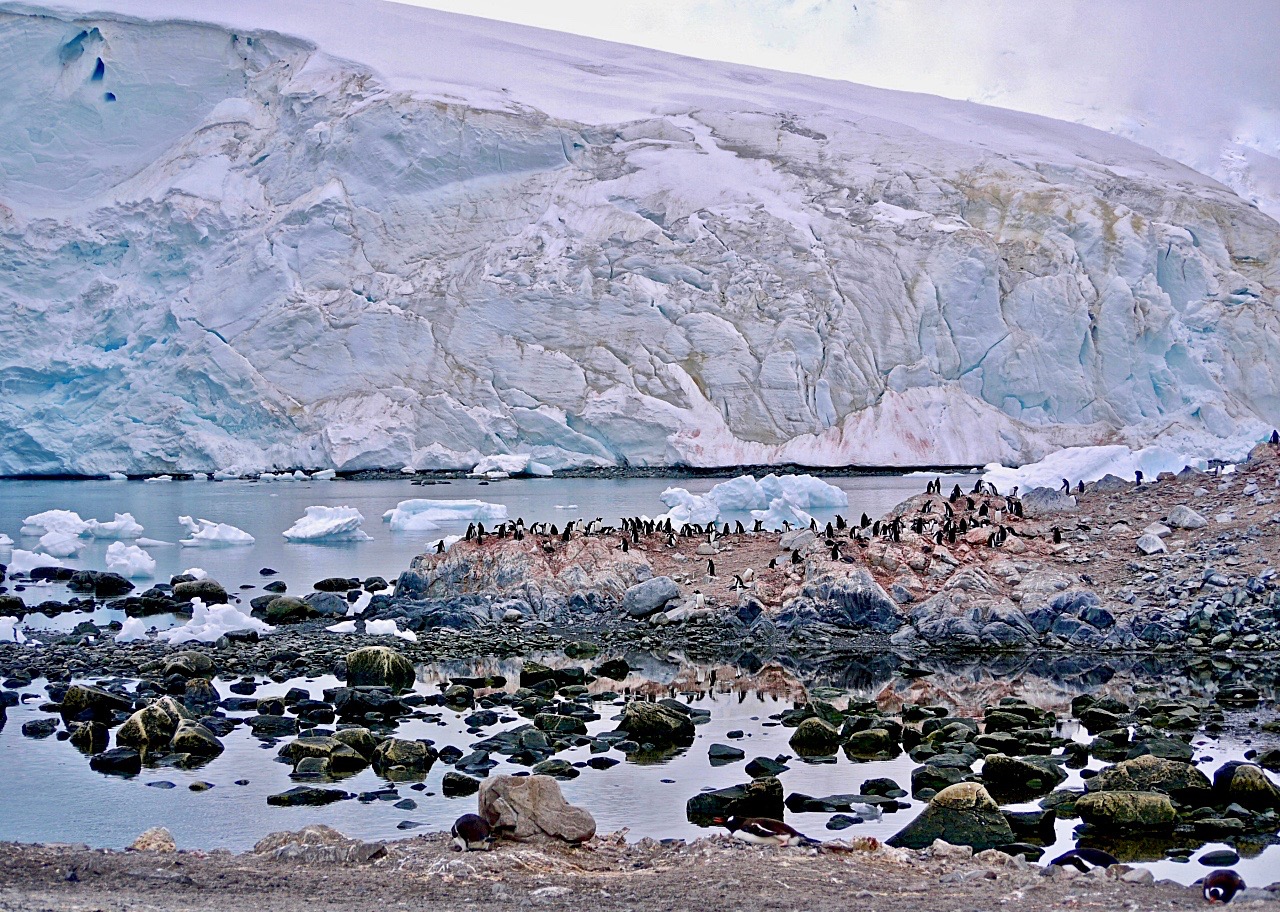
(962, 814)
(458, 785)
(758, 798)
(814, 738)
(1151, 544)
(153, 726)
(871, 743)
(1046, 501)
(649, 597)
(1183, 517)
(379, 666)
(83, 703)
(90, 737)
(188, 664)
(122, 761)
(1246, 785)
(526, 807)
(399, 754)
(193, 738)
(1127, 810)
(307, 796)
(655, 724)
(156, 839)
(1148, 773)
(358, 739)
(318, 844)
(286, 609)
(207, 590)
(1021, 778)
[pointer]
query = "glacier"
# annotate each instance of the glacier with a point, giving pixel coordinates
(245, 238)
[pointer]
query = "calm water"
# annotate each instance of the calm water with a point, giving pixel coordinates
(266, 510)
(50, 794)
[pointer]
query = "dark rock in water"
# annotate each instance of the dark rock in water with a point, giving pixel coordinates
(270, 706)
(1180, 780)
(457, 785)
(555, 724)
(39, 728)
(286, 609)
(602, 763)
(83, 702)
(277, 586)
(758, 798)
(482, 718)
(884, 788)
(326, 604)
(121, 761)
(379, 666)
(357, 702)
(336, 584)
(360, 740)
(613, 669)
(399, 754)
(151, 727)
(89, 737)
(649, 597)
(375, 584)
(655, 724)
(815, 738)
(12, 606)
(51, 574)
(1238, 783)
(200, 694)
(273, 726)
(962, 814)
(871, 743)
(1239, 697)
(193, 738)
(842, 822)
(1034, 825)
(459, 695)
(1127, 810)
(1222, 858)
(307, 796)
(267, 571)
(720, 754)
(102, 585)
(556, 768)
(1013, 779)
(762, 767)
(208, 591)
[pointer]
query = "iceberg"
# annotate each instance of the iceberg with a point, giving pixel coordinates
(117, 476)
(158, 479)
(25, 561)
(428, 515)
(196, 573)
(54, 521)
(389, 628)
(61, 544)
(208, 534)
(131, 630)
(514, 464)
(209, 622)
(5, 541)
(124, 526)
(782, 511)
(777, 496)
(130, 561)
(1077, 464)
(684, 508)
(328, 524)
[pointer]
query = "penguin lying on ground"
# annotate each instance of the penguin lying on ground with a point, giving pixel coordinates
(764, 831)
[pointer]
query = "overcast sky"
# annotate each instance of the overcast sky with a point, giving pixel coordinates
(1198, 80)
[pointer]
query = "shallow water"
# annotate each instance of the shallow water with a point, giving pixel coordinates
(266, 510)
(50, 794)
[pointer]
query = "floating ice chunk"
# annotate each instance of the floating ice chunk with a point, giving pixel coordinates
(346, 627)
(744, 493)
(328, 524)
(688, 508)
(324, 475)
(10, 632)
(512, 464)
(130, 561)
(427, 515)
(803, 491)
(61, 544)
(131, 631)
(566, 506)
(154, 543)
(782, 511)
(209, 622)
(26, 561)
(54, 521)
(226, 475)
(208, 534)
(408, 470)
(389, 628)
(1089, 464)
(199, 476)
(5, 541)
(124, 526)
(159, 479)
(117, 476)
(739, 495)
(196, 573)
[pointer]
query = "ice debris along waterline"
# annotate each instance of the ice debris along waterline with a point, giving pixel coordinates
(1076, 464)
(208, 534)
(388, 628)
(515, 464)
(772, 500)
(328, 524)
(210, 622)
(130, 561)
(429, 515)
(131, 630)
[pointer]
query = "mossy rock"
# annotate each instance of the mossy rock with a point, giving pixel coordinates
(193, 738)
(1246, 785)
(1127, 810)
(815, 737)
(379, 666)
(653, 723)
(962, 814)
(1175, 778)
(152, 727)
(397, 753)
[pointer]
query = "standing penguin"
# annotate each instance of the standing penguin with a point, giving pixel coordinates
(711, 568)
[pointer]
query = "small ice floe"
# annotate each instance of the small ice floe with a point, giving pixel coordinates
(566, 506)
(61, 544)
(10, 632)
(25, 561)
(324, 475)
(132, 630)
(158, 479)
(154, 543)
(54, 521)
(508, 465)
(124, 526)
(343, 627)
(196, 573)
(427, 515)
(208, 534)
(226, 475)
(117, 476)
(389, 628)
(209, 622)
(328, 524)
(130, 561)
(5, 541)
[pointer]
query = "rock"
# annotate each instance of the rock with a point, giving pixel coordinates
(649, 597)
(1222, 858)
(763, 767)
(530, 806)
(122, 761)
(1183, 517)
(1126, 810)
(720, 754)
(399, 754)
(550, 722)
(90, 737)
(200, 695)
(318, 844)
(359, 739)
(1151, 544)
(458, 785)
(188, 664)
(814, 738)
(207, 590)
(307, 796)
(1246, 785)
(1021, 778)
(193, 738)
(379, 666)
(757, 798)
(556, 769)
(962, 814)
(152, 727)
(871, 743)
(82, 703)
(1177, 779)
(1047, 501)
(613, 669)
(656, 724)
(286, 609)
(156, 839)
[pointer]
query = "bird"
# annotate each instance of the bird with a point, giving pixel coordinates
(1085, 859)
(711, 567)
(471, 833)
(764, 831)
(1221, 885)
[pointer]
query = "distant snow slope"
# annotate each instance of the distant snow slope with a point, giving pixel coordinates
(439, 238)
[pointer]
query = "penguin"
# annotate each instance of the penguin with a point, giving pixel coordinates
(1085, 859)
(738, 583)
(1057, 535)
(759, 526)
(773, 563)
(699, 600)
(711, 568)
(471, 532)
(841, 525)
(865, 521)
(763, 831)
(956, 494)
(1275, 438)
(1137, 475)
(625, 546)
(739, 528)
(1079, 486)
(1220, 886)
(796, 558)
(471, 833)
(1066, 486)
(835, 552)
(440, 546)
(748, 575)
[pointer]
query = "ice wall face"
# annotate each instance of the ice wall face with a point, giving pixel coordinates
(259, 256)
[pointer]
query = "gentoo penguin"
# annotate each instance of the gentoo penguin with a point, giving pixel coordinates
(440, 546)
(1066, 486)
(1085, 859)
(711, 568)
(764, 831)
(1275, 438)
(699, 600)
(1220, 886)
(625, 546)
(1137, 476)
(471, 833)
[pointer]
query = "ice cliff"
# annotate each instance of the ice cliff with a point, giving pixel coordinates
(385, 236)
